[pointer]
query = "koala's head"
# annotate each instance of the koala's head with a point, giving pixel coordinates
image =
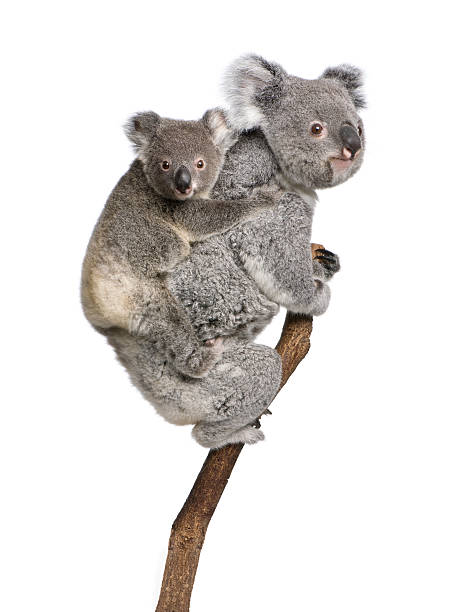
(312, 126)
(181, 158)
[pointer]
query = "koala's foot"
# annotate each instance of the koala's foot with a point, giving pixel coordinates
(328, 261)
(207, 435)
(202, 359)
(257, 423)
(247, 435)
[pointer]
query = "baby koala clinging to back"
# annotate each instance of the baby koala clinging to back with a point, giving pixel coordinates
(146, 228)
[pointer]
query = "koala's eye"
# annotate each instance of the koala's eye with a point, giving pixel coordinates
(359, 130)
(165, 165)
(200, 163)
(316, 128)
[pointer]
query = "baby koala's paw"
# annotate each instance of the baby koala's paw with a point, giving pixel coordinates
(328, 261)
(202, 359)
(266, 198)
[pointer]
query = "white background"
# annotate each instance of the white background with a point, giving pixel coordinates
(359, 498)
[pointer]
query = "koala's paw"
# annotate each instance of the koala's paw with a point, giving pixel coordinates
(214, 435)
(202, 359)
(257, 423)
(266, 197)
(271, 190)
(328, 261)
(250, 434)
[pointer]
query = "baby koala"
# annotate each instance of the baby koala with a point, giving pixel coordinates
(153, 214)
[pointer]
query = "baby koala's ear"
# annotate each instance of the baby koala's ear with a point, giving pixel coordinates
(252, 86)
(140, 128)
(215, 120)
(351, 78)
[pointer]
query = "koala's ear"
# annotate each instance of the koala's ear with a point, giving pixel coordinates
(252, 85)
(215, 120)
(140, 127)
(351, 78)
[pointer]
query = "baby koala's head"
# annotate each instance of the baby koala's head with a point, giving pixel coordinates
(181, 159)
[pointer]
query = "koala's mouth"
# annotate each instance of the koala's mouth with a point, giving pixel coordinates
(184, 196)
(339, 164)
(343, 162)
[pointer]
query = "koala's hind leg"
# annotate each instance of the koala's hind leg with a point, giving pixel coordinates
(161, 319)
(257, 375)
(222, 405)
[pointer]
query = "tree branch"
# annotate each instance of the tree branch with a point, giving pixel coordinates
(189, 529)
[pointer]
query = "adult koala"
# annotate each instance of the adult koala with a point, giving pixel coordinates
(296, 135)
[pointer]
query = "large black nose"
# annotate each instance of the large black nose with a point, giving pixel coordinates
(351, 139)
(182, 179)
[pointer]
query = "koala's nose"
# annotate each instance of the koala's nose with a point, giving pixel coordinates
(183, 180)
(350, 139)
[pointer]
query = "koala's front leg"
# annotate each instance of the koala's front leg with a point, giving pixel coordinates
(276, 253)
(204, 218)
(325, 264)
(159, 251)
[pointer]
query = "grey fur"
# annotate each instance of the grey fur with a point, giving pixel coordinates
(232, 284)
(284, 107)
(142, 235)
(223, 405)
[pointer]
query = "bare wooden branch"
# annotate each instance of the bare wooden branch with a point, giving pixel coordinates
(189, 529)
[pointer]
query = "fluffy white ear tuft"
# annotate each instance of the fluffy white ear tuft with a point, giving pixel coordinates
(216, 122)
(244, 83)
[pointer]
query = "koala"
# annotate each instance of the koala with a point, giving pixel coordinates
(158, 208)
(297, 135)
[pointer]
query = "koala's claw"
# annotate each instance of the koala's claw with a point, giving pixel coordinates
(257, 423)
(329, 262)
(202, 359)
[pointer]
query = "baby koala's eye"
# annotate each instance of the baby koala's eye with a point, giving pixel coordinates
(359, 130)
(165, 165)
(200, 163)
(316, 128)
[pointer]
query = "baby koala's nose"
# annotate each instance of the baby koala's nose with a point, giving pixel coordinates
(351, 141)
(183, 180)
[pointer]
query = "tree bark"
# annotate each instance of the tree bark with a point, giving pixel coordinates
(189, 529)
